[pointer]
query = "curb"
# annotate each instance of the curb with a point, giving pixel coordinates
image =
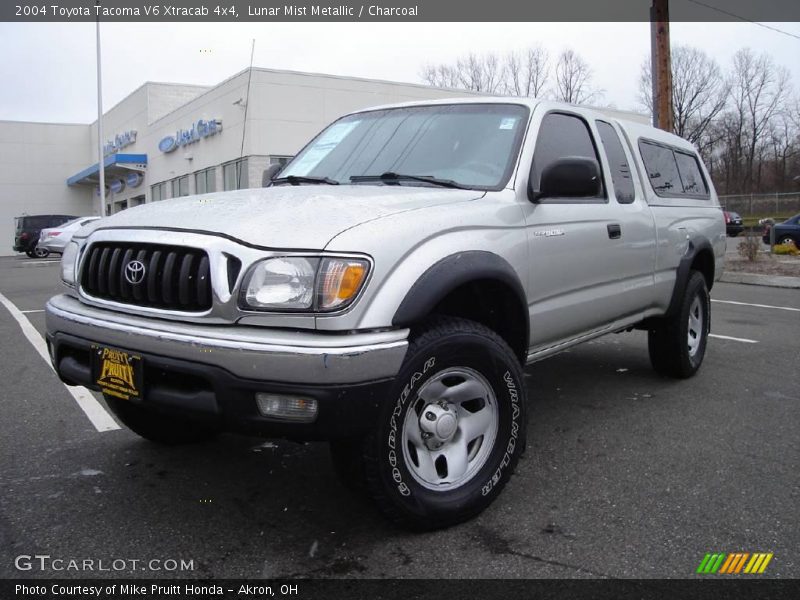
(778, 281)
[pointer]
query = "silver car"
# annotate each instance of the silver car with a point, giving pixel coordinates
(54, 239)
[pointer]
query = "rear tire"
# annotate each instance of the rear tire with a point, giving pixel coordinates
(677, 344)
(786, 239)
(158, 427)
(450, 435)
(37, 253)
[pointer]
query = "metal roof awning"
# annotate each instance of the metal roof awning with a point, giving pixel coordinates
(116, 165)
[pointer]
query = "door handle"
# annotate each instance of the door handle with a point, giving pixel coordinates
(614, 231)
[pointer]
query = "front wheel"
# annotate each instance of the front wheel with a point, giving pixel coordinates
(677, 344)
(449, 438)
(158, 427)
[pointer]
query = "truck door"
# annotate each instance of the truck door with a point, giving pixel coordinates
(590, 259)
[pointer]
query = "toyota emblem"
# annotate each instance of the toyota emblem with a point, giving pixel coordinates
(134, 272)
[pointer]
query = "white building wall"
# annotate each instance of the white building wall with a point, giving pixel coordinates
(35, 161)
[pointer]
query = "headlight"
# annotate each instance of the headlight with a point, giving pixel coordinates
(296, 283)
(282, 283)
(69, 261)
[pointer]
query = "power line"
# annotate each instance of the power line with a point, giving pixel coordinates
(746, 20)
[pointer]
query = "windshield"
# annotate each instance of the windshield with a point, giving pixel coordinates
(473, 145)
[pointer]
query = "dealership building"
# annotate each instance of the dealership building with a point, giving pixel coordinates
(166, 140)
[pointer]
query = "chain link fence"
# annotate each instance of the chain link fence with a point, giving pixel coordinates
(763, 205)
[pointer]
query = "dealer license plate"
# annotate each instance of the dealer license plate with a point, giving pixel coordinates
(118, 373)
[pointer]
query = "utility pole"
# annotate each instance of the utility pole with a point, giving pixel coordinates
(661, 65)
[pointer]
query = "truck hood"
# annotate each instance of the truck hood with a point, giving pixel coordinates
(299, 217)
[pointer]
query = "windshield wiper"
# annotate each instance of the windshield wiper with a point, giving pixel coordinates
(301, 179)
(390, 177)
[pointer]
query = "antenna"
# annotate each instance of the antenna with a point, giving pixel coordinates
(244, 122)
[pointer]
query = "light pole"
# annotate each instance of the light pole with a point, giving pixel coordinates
(100, 154)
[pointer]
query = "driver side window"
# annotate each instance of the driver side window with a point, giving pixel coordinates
(561, 136)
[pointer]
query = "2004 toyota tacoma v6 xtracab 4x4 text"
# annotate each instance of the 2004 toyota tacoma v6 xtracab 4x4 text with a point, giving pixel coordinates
(384, 291)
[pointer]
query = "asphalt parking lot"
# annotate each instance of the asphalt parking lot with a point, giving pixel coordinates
(626, 475)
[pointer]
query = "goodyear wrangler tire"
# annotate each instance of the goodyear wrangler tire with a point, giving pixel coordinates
(450, 436)
(157, 427)
(677, 346)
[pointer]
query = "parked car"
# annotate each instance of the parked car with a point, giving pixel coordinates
(385, 292)
(27, 229)
(54, 239)
(788, 231)
(733, 223)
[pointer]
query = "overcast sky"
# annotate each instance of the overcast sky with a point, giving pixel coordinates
(48, 70)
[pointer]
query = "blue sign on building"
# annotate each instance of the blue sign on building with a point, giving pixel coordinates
(183, 137)
(117, 185)
(133, 179)
(121, 140)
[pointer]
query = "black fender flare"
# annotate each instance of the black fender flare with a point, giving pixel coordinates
(696, 246)
(452, 272)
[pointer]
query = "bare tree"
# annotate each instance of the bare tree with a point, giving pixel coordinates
(759, 90)
(574, 79)
(518, 73)
(440, 76)
(527, 72)
(471, 72)
(480, 73)
(699, 91)
(783, 148)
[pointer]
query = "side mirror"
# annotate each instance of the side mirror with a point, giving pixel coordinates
(570, 177)
(269, 174)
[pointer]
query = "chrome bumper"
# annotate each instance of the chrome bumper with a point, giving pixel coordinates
(249, 352)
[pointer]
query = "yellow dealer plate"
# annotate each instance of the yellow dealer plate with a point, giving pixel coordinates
(118, 373)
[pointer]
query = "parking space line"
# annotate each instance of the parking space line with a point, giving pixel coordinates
(27, 312)
(98, 415)
(733, 339)
(757, 305)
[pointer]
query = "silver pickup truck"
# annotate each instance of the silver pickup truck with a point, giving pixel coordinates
(385, 290)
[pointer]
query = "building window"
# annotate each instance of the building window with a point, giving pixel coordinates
(205, 181)
(180, 186)
(234, 175)
(158, 192)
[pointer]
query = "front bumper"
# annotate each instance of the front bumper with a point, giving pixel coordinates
(214, 372)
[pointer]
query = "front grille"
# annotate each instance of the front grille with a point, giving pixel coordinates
(174, 277)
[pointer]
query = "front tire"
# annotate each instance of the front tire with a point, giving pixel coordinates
(677, 344)
(158, 427)
(450, 436)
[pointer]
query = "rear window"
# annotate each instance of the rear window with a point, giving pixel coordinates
(691, 176)
(672, 172)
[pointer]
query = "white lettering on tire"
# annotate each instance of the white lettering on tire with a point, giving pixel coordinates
(513, 396)
(397, 476)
